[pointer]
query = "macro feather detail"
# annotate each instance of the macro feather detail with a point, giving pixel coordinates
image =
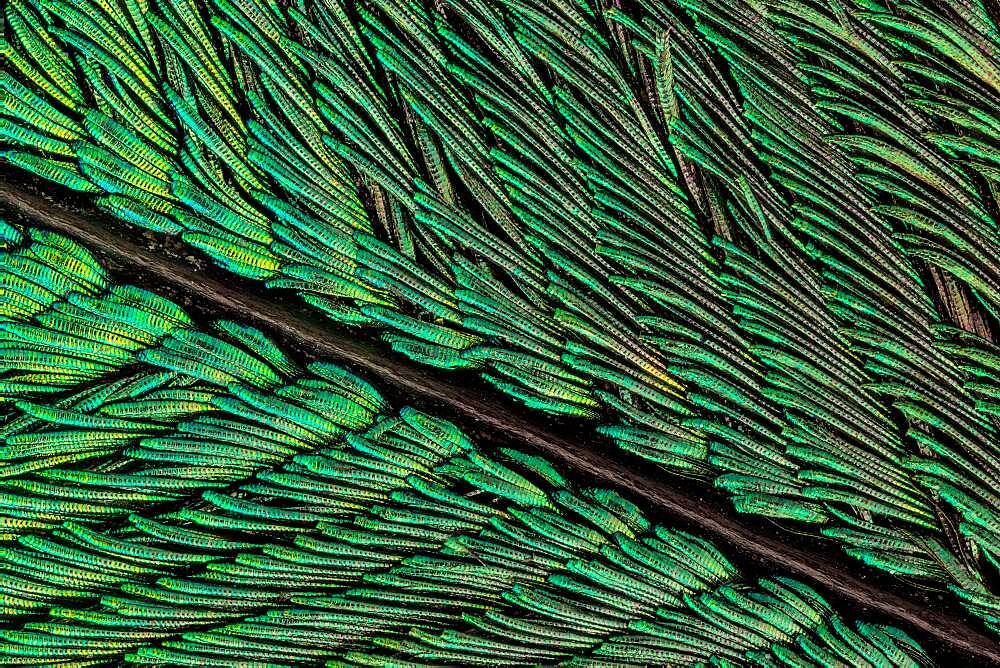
(209, 501)
(755, 243)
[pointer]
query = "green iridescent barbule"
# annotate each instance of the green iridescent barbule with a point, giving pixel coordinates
(754, 243)
(198, 498)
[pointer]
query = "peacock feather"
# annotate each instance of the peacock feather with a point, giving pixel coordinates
(752, 243)
(200, 498)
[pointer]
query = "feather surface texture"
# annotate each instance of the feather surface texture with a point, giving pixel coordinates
(753, 243)
(200, 498)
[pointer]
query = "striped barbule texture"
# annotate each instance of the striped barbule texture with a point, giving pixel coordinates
(753, 242)
(202, 499)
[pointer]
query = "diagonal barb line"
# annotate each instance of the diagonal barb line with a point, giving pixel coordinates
(499, 422)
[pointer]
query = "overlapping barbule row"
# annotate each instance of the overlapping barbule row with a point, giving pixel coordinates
(195, 497)
(756, 242)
